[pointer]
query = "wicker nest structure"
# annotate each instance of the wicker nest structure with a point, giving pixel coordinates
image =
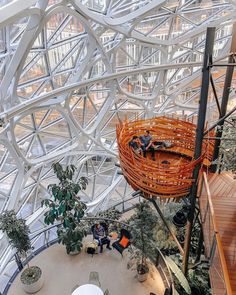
(170, 175)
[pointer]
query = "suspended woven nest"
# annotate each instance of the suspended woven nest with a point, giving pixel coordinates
(170, 174)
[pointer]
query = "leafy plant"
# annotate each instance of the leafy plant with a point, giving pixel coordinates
(199, 281)
(178, 274)
(110, 214)
(198, 278)
(66, 208)
(163, 238)
(18, 234)
(113, 215)
(16, 230)
(228, 145)
(142, 224)
(31, 275)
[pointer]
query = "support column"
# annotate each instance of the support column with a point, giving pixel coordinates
(199, 138)
(225, 97)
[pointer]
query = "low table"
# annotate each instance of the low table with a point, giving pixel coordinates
(88, 289)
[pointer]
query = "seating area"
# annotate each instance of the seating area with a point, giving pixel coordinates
(153, 176)
(64, 274)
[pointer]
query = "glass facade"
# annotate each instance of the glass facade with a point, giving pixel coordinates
(71, 70)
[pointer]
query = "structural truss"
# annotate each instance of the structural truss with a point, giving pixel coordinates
(70, 70)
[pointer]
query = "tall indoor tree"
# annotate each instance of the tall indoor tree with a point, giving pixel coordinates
(66, 208)
(142, 224)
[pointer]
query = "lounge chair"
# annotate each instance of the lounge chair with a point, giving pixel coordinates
(123, 242)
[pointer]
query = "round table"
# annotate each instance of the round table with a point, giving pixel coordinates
(88, 289)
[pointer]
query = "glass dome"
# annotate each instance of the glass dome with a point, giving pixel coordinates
(71, 70)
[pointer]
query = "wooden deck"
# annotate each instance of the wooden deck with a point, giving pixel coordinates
(223, 194)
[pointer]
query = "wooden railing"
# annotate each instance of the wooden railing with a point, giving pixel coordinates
(213, 243)
(155, 178)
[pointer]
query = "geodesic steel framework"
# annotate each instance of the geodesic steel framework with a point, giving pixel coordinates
(70, 70)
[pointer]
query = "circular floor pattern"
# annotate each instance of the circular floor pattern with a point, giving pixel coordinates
(62, 272)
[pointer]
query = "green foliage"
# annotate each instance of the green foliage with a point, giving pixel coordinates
(16, 230)
(165, 242)
(163, 238)
(198, 278)
(199, 282)
(72, 238)
(142, 224)
(149, 229)
(228, 145)
(31, 275)
(65, 207)
(178, 274)
(112, 214)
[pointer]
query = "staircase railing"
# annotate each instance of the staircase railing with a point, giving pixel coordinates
(213, 244)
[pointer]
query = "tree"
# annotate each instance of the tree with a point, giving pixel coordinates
(16, 230)
(66, 208)
(18, 234)
(142, 224)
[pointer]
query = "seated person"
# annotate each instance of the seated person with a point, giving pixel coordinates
(146, 144)
(158, 144)
(162, 144)
(135, 144)
(99, 234)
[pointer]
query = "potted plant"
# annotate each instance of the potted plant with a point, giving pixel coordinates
(18, 234)
(142, 224)
(66, 209)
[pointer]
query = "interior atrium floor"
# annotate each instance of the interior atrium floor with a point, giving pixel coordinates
(63, 272)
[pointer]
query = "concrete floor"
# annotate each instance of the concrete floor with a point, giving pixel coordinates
(62, 272)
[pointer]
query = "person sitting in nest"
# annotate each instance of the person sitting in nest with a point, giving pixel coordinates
(158, 145)
(162, 144)
(135, 144)
(99, 234)
(146, 144)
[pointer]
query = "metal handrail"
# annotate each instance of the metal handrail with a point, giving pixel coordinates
(44, 230)
(217, 236)
(168, 278)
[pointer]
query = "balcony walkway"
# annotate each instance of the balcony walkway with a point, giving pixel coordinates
(62, 272)
(223, 195)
